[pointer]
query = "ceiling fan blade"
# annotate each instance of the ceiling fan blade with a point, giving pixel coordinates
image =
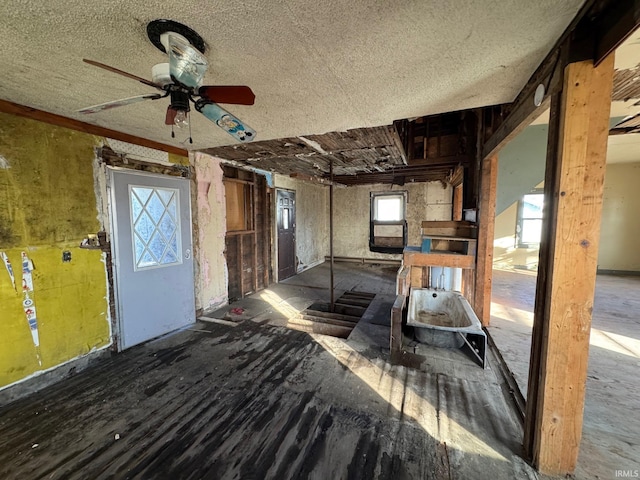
(229, 123)
(119, 103)
(171, 116)
(187, 65)
(234, 94)
(123, 73)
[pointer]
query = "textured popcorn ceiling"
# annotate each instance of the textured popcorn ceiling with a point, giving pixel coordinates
(315, 65)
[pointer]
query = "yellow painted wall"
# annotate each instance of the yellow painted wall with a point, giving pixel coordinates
(620, 229)
(48, 205)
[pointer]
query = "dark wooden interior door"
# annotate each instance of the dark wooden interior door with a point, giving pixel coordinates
(286, 225)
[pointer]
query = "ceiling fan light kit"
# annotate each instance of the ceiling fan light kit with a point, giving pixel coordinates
(181, 79)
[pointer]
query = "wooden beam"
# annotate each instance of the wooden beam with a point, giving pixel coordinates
(254, 222)
(571, 230)
(60, 121)
(419, 259)
(548, 220)
(486, 224)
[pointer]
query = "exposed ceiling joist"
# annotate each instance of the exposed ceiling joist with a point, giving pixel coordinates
(362, 150)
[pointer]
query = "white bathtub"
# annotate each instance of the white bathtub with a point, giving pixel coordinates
(445, 319)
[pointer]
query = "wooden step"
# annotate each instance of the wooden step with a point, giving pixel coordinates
(327, 320)
(361, 302)
(361, 294)
(337, 316)
(349, 309)
(322, 328)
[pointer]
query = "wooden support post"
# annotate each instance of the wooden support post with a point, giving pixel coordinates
(254, 226)
(332, 299)
(487, 220)
(569, 253)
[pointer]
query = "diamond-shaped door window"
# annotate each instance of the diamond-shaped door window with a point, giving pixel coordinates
(155, 226)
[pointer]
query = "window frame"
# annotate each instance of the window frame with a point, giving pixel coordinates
(373, 247)
(395, 193)
(520, 219)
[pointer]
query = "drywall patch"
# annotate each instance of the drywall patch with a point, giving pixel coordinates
(4, 163)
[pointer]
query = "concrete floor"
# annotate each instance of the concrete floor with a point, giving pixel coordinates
(253, 400)
(611, 434)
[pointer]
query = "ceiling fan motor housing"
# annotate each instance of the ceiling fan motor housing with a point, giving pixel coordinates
(161, 75)
(180, 100)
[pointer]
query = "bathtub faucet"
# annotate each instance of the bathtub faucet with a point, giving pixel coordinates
(441, 280)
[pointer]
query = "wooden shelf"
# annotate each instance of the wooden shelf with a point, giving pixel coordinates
(414, 258)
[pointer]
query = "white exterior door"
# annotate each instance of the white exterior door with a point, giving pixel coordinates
(152, 255)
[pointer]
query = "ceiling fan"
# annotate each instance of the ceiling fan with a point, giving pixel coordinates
(181, 80)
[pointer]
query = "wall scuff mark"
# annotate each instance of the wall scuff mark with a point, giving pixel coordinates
(4, 163)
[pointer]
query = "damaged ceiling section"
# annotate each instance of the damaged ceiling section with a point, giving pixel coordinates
(422, 149)
(359, 151)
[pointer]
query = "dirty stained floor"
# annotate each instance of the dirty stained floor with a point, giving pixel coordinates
(611, 432)
(261, 401)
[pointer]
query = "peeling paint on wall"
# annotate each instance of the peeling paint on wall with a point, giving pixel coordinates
(212, 285)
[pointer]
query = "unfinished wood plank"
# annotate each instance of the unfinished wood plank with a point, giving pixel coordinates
(537, 334)
(362, 294)
(563, 311)
(355, 301)
(254, 238)
(416, 276)
(403, 280)
(395, 342)
(487, 220)
(418, 259)
(328, 321)
(338, 316)
(322, 328)
(348, 309)
(266, 239)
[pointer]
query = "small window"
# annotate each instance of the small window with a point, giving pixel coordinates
(155, 226)
(529, 226)
(388, 229)
(238, 197)
(388, 207)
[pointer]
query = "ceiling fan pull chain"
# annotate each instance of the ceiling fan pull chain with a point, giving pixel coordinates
(173, 134)
(190, 138)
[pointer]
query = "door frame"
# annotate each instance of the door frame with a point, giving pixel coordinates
(112, 270)
(276, 236)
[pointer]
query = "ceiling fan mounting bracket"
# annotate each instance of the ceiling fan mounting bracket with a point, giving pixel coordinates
(156, 28)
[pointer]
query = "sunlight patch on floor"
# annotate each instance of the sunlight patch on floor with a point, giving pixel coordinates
(406, 401)
(599, 338)
(279, 304)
